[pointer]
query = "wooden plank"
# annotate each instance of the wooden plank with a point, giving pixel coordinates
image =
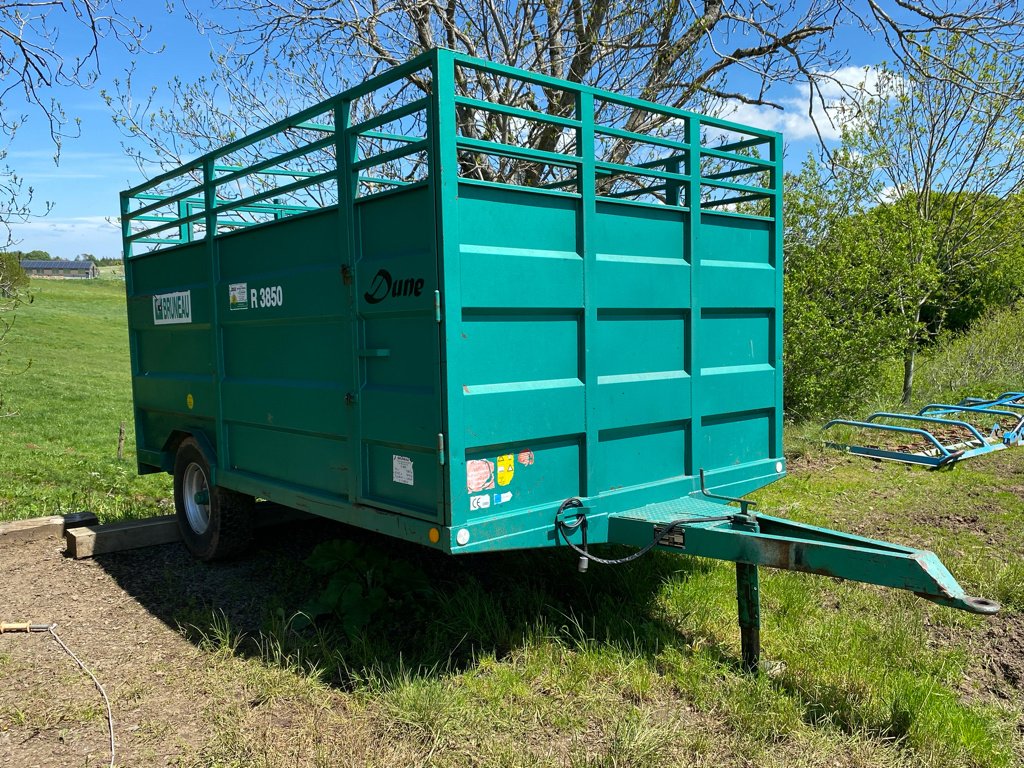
(33, 529)
(100, 539)
(89, 540)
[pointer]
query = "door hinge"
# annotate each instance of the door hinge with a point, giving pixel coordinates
(437, 306)
(440, 448)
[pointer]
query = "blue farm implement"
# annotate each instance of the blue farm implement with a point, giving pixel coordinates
(938, 435)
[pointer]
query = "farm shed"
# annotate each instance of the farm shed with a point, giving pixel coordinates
(82, 270)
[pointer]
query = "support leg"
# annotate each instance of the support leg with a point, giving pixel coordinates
(748, 597)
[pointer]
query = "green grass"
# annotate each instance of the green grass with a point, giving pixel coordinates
(66, 388)
(515, 659)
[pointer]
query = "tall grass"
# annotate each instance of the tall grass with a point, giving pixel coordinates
(987, 360)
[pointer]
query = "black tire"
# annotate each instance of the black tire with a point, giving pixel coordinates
(223, 526)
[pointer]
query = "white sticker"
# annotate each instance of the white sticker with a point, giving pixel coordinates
(171, 308)
(480, 502)
(401, 470)
(238, 296)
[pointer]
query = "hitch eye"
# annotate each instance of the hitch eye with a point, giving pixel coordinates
(202, 497)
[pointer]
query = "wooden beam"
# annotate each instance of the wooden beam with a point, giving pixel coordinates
(37, 528)
(92, 540)
(89, 540)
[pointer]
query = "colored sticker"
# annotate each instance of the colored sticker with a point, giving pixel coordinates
(479, 475)
(238, 296)
(501, 498)
(526, 458)
(171, 308)
(506, 468)
(480, 502)
(189, 401)
(401, 470)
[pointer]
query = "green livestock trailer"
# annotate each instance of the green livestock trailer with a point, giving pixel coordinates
(481, 309)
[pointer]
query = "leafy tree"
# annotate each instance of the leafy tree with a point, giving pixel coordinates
(948, 158)
(839, 323)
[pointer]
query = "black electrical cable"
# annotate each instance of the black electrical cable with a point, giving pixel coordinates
(564, 528)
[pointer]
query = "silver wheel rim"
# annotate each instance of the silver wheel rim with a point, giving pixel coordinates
(194, 482)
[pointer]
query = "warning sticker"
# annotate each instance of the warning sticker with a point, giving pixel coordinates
(506, 468)
(479, 475)
(526, 458)
(238, 296)
(401, 470)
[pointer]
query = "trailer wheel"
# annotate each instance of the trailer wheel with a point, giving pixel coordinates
(215, 522)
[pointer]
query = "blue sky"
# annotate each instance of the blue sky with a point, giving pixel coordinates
(93, 167)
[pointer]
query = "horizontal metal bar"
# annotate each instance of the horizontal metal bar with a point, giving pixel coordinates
(740, 144)
(286, 189)
(765, 164)
(732, 201)
(944, 408)
(526, 114)
(766, 191)
(732, 174)
(165, 201)
(308, 126)
(634, 170)
(520, 153)
(502, 185)
(162, 241)
(397, 113)
(173, 222)
(268, 171)
(659, 141)
(384, 136)
(270, 162)
(888, 428)
(926, 419)
(394, 154)
(640, 191)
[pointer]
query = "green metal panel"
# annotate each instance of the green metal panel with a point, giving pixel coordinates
(460, 353)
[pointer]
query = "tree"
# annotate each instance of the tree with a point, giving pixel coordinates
(37, 58)
(949, 154)
(285, 52)
(840, 327)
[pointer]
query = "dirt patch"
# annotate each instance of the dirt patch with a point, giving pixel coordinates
(998, 648)
(115, 613)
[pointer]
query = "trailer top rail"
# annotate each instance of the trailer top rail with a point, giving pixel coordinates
(501, 126)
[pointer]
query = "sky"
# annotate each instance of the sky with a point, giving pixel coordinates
(93, 168)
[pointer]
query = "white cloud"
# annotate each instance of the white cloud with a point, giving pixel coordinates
(831, 101)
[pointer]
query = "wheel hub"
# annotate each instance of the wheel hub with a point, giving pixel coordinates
(195, 493)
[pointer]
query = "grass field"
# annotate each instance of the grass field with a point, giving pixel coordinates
(517, 660)
(66, 388)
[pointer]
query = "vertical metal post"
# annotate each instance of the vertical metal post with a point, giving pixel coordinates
(748, 598)
(587, 245)
(695, 447)
(443, 132)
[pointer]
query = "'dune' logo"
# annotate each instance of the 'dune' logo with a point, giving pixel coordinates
(383, 285)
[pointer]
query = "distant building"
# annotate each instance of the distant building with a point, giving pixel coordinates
(63, 269)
